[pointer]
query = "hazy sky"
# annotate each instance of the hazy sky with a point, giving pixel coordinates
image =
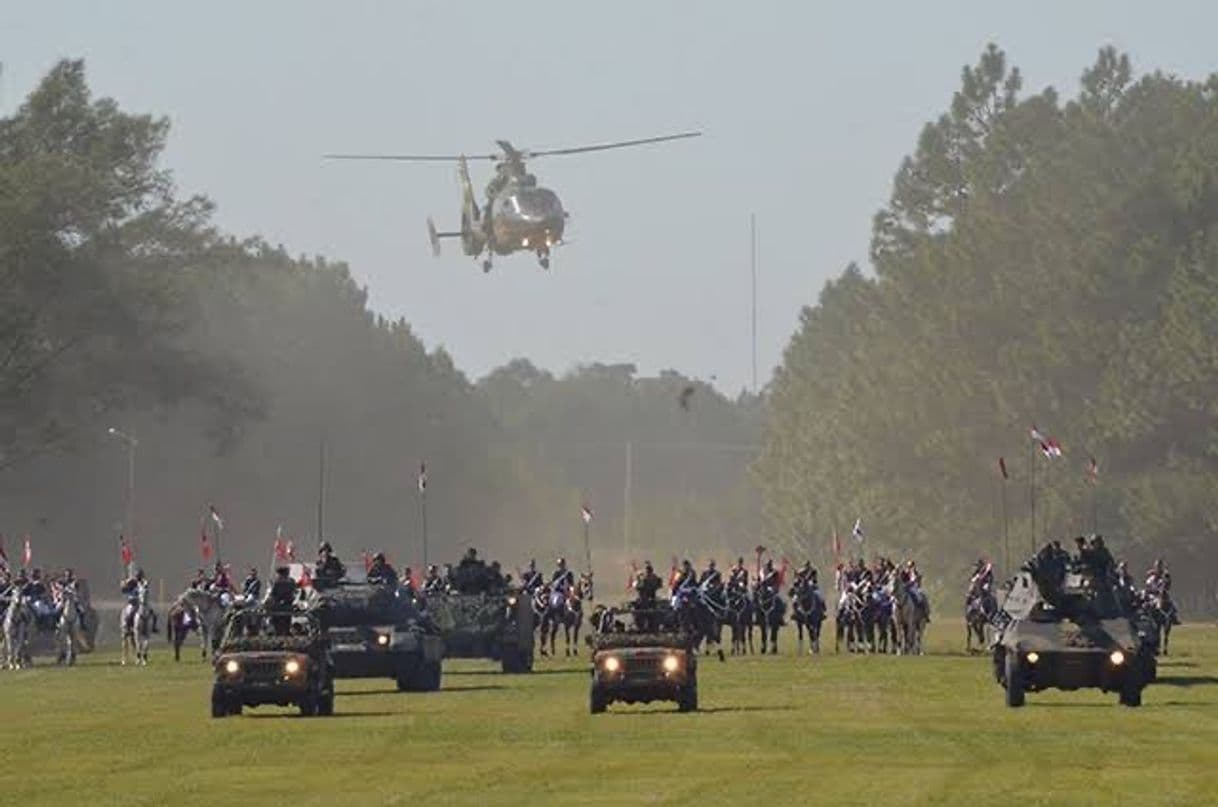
(807, 109)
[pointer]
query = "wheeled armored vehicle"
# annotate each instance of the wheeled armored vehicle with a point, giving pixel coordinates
(272, 657)
(1068, 634)
(640, 656)
(494, 624)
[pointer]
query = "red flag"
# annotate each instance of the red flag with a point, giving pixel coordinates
(1093, 470)
(125, 551)
(205, 546)
(27, 554)
(291, 550)
(281, 551)
(1002, 467)
(672, 573)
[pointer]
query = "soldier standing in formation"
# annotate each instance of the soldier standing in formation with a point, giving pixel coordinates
(281, 599)
(531, 579)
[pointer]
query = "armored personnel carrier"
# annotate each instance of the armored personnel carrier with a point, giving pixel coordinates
(378, 631)
(640, 656)
(1067, 630)
(493, 624)
(272, 657)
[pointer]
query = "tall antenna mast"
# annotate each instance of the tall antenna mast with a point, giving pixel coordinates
(753, 272)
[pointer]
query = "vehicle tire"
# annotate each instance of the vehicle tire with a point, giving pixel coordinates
(219, 703)
(405, 678)
(234, 707)
(596, 702)
(1014, 680)
(308, 705)
(431, 673)
(1131, 687)
(688, 699)
(325, 703)
(516, 661)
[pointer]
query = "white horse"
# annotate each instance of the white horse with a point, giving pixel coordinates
(195, 609)
(17, 622)
(68, 628)
(912, 616)
(137, 625)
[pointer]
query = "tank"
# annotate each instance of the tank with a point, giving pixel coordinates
(494, 625)
(378, 631)
(1068, 631)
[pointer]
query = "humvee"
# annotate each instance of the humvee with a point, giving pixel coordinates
(651, 660)
(281, 658)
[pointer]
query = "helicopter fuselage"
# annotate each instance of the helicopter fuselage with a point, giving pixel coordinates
(524, 219)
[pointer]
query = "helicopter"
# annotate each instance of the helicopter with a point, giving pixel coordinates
(519, 215)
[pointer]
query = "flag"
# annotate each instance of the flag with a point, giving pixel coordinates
(27, 553)
(413, 579)
(1035, 434)
(281, 551)
(586, 513)
(672, 573)
(125, 551)
(422, 477)
(1093, 470)
(290, 549)
(1044, 449)
(367, 560)
(205, 546)
(215, 517)
(1002, 468)
(1055, 448)
(857, 532)
(634, 573)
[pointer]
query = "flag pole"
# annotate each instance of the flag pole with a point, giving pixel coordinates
(1006, 528)
(1032, 493)
(588, 545)
(423, 509)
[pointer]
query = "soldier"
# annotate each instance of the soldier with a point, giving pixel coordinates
(68, 581)
(251, 588)
(381, 573)
(433, 583)
(738, 577)
(329, 569)
(711, 579)
(130, 589)
(1158, 578)
(470, 576)
(495, 581)
(913, 580)
(407, 582)
(981, 581)
(200, 580)
(684, 583)
(1124, 579)
(646, 587)
(39, 598)
(280, 600)
(531, 579)
(806, 574)
(769, 578)
(220, 581)
(563, 578)
(1101, 559)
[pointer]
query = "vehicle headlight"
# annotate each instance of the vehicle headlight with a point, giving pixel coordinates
(524, 242)
(382, 639)
(292, 667)
(1117, 658)
(232, 667)
(671, 664)
(1033, 657)
(612, 664)
(511, 600)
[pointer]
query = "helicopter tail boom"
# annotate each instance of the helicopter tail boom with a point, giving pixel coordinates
(435, 235)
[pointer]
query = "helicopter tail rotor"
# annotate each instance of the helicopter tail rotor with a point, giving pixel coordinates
(434, 237)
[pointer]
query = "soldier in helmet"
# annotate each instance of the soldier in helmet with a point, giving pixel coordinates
(738, 577)
(280, 600)
(433, 583)
(563, 578)
(530, 578)
(381, 573)
(684, 582)
(329, 569)
(711, 579)
(251, 588)
(646, 586)
(770, 578)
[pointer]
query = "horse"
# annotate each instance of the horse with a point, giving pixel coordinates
(769, 609)
(912, 615)
(979, 608)
(68, 628)
(740, 618)
(198, 610)
(849, 621)
(881, 620)
(1163, 612)
(553, 615)
(572, 618)
(18, 620)
(808, 611)
(136, 626)
(713, 610)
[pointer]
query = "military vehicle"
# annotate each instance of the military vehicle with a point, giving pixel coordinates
(1068, 631)
(491, 624)
(258, 664)
(651, 660)
(378, 631)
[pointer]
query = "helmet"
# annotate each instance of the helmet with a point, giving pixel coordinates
(431, 568)
(562, 563)
(325, 547)
(379, 557)
(647, 565)
(533, 565)
(139, 573)
(282, 571)
(711, 564)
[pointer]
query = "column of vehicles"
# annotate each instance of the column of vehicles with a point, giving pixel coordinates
(364, 623)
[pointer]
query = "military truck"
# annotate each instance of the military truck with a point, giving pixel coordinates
(281, 658)
(640, 656)
(378, 631)
(1067, 631)
(494, 624)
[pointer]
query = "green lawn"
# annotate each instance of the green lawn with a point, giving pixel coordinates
(869, 730)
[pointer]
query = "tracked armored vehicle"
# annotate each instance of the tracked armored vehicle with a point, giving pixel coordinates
(1068, 631)
(268, 657)
(378, 631)
(640, 656)
(494, 625)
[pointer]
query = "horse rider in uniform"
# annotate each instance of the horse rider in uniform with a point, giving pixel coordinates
(68, 581)
(563, 578)
(251, 588)
(711, 579)
(329, 569)
(280, 600)
(433, 583)
(531, 579)
(738, 577)
(769, 579)
(39, 598)
(130, 590)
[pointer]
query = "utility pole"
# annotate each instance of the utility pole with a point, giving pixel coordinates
(753, 272)
(321, 489)
(626, 496)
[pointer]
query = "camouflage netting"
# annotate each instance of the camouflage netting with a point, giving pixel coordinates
(614, 641)
(472, 613)
(269, 644)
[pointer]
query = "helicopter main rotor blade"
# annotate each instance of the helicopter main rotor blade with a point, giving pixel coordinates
(415, 158)
(616, 145)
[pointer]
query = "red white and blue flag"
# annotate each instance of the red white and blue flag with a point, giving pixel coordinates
(585, 513)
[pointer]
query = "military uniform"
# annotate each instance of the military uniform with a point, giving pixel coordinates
(531, 579)
(738, 577)
(329, 570)
(711, 578)
(281, 599)
(646, 587)
(381, 573)
(563, 579)
(251, 589)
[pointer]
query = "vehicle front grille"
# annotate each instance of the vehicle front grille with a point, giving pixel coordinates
(264, 670)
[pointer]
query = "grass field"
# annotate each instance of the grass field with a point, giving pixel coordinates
(828, 730)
